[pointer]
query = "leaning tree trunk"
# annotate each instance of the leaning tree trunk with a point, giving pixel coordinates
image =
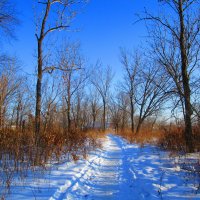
(186, 84)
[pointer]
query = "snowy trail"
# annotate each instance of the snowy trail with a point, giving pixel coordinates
(117, 171)
(101, 178)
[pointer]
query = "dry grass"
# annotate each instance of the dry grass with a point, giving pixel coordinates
(144, 137)
(18, 152)
(97, 133)
(168, 137)
(174, 140)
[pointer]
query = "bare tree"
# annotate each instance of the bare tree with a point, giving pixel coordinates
(50, 101)
(123, 102)
(116, 114)
(23, 103)
(151, 92)
(85, 120)
(77, 108)
(102, 79)
(9, 83)
(94, 105)
(71, 64)
(176, 45)
(130, 64)
(81, 110)
(55, 17)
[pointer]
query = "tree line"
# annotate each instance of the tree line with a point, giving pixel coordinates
(71, 94)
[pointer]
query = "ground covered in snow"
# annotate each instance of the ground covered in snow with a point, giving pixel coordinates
(116, 171)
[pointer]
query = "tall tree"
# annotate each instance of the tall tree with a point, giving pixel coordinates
(102, 79)
(176, 46)
(123, 103)
(9, 83)
(151, 92)
(130, 64)
(71, 64)
(94, 105)
(55, 17)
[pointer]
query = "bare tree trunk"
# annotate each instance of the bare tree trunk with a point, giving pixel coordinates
(93, 116)
(39, 73)
(68, 118)
(69, 107)
(1, 117)
(18, 114)
(186, 84)
(38, 93)
(123, 122)
(78, 113)
(138, 127)
(104, 115)
(94, 121)
(132, 115)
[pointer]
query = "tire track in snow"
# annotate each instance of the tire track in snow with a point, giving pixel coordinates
(69, 184)
(119, 171)
(128, 173)
(104, 184)
(100, 177)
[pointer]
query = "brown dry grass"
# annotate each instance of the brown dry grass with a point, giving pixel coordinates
(173, 138)
(145, 136)
(18, 152)
(168, 137)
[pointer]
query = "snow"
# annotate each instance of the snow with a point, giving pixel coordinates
(116, 171)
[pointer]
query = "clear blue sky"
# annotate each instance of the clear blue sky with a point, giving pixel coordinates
(105, 25)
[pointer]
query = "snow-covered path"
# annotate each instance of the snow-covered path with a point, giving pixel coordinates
(117, 171)
(99, 178)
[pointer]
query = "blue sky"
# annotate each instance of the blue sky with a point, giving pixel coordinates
(105, 26)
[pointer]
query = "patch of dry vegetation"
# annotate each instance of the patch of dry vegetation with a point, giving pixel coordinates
(144, 137)
(173, 138)
(169, 137)
(19, 154)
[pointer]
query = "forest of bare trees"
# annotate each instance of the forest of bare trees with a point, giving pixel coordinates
(55, 110)
(158, 92)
